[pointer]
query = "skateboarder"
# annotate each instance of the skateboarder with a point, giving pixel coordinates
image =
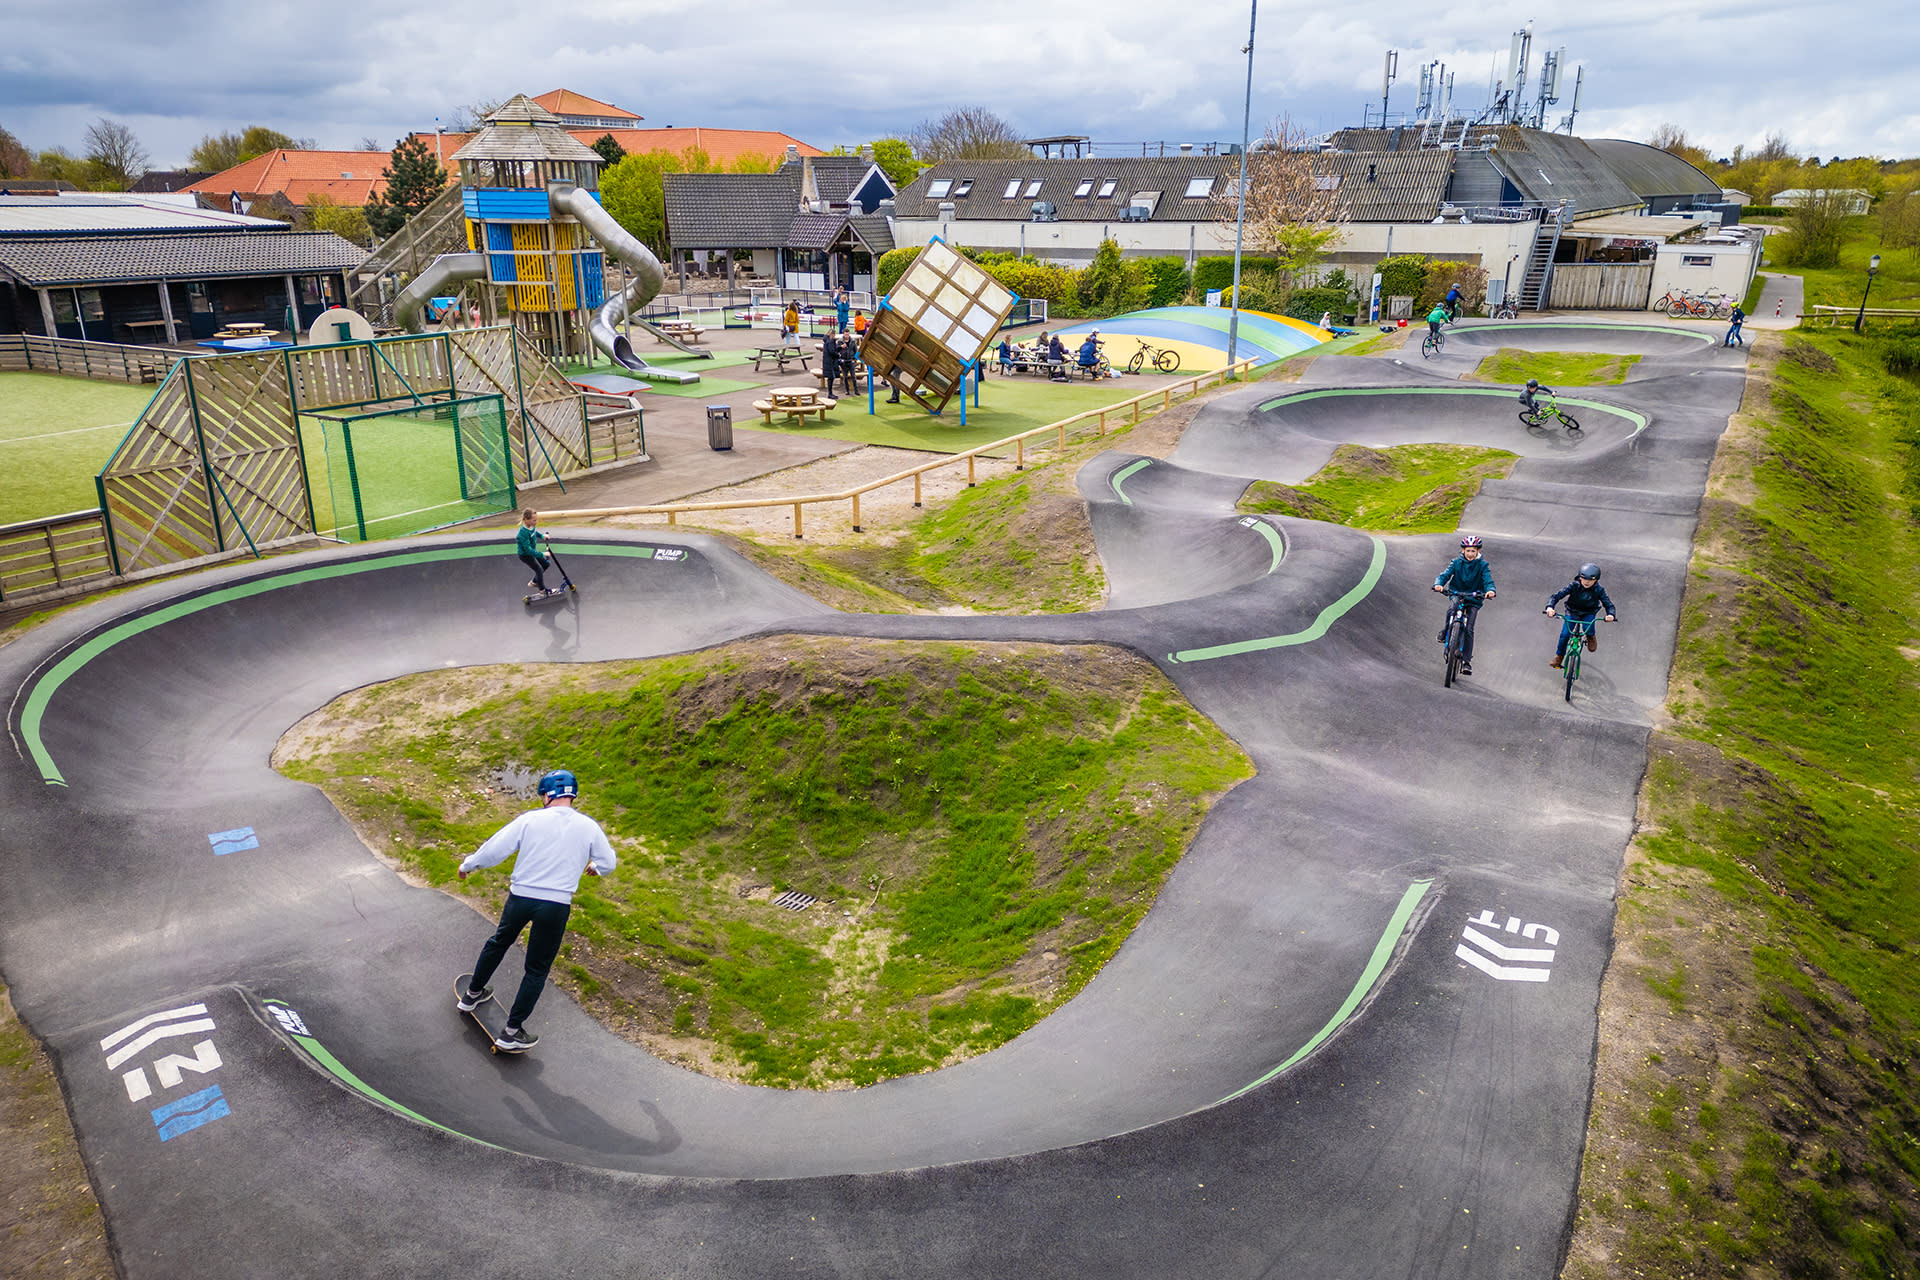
(528, 542)
(557, 845)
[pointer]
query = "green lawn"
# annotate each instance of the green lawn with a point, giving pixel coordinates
(1554, 368)
(1896, 285)
(55, 435)
(1409, 488)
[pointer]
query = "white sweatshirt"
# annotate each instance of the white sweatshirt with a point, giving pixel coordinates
(555, 845)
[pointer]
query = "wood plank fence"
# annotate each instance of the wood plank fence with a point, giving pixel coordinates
(109, 362)
(1601, 286)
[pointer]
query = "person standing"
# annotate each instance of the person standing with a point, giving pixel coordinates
(840, 311)
(1734, 338)
(1467, 572)
(527, 544)
(556, 845)
(829, 360)
(790, 324)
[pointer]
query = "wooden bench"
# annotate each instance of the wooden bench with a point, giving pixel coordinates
(768, 408)
(682, 332)
(779, 354)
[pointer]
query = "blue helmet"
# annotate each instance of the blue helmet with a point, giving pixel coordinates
(1589, 571)
(559, 783)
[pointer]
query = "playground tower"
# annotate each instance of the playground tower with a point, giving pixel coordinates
(550, 273)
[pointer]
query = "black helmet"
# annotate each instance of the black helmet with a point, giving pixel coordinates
(1590, 570)
(559, 782)
(1532, 383)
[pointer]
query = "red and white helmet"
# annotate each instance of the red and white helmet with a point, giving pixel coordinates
(1471, 540)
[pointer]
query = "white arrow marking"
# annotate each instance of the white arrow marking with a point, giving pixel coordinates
(1501, 972)
(1499, 952)
(148, 1021)
(158, 1034)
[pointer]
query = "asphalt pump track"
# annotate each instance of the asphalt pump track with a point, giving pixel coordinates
(1354, 1037)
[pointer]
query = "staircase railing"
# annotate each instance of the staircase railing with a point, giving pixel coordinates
(439, 228)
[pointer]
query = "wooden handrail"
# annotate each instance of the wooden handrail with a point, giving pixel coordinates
(1018, 442)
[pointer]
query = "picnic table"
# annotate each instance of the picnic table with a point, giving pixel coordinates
(244, 331)
(682, 330)
(780, 354)
(793, 402)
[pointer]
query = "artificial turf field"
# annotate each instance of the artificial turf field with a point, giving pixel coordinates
(405, 468)
(55, 435)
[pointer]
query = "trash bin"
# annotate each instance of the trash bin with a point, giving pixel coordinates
(720, 426)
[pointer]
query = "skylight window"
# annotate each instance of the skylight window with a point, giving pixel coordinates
(938, 188)
(966, 185)
(1033, 188)
(1199, 188)
(1013, 189)
(1083, 190)
(1106, 188)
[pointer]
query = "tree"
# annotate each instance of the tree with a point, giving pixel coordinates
(634, 196)
(413, 179)
(324, 213)
(57, 164)
(895, 158)
(1672, 139)
(371, 144)
(15, 160)
(218, 152)
(1293, 213)
(966, 133)
(1900, 213)
(610, 150)
(1815, 228)
(114, 155)
(472, 117)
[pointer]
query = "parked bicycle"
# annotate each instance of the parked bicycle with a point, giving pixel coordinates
(1546, 411)
(1507, 310)
(1579, 641)
(1161, 358)
(1457, 623)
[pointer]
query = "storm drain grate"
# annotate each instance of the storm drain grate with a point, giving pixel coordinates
(794, 900)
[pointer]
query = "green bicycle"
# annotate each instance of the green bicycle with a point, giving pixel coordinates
(1546, 410)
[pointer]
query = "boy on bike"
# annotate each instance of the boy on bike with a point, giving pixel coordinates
(1531, 390)
(1435, 318)
(1467, 572)
(1585, 597)
(1453, 303)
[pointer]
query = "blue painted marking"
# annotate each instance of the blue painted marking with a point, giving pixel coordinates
(233, 841)
(190, 1112)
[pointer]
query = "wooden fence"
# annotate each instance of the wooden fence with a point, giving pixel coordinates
(39, 557)
(106, 361)
(1129, 409)
(1847, 315)
(1601, 286)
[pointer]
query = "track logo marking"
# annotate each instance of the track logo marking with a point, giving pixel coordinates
(1505, 963)
(134, 1039)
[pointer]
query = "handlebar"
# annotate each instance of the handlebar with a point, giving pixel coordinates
(1595, 620)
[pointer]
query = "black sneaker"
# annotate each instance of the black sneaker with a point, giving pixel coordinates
(515, 1039)
(469, 1000)
(1466, 668)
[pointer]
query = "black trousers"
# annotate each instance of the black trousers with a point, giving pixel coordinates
(549, 921)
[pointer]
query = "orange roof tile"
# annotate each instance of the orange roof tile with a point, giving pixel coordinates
(565, 102)
(723, 146)
(347, 177)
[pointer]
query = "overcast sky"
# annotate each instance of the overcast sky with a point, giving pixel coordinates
(1834, 79)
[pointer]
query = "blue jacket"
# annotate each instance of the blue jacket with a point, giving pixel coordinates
(1582, 602)
(1467, 575)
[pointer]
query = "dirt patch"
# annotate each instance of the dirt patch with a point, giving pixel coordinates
(50, 1223)
(1357, 460)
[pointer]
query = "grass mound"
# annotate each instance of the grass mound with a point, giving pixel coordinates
(981, 828)
(1555, 368)
(1411, 488)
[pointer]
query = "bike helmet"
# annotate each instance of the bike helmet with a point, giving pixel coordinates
(559, 783)
(1471, 540)
(1533, 384)
(1589, 570)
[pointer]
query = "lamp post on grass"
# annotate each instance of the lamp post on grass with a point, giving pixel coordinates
(1240, 216)
(1873, 268)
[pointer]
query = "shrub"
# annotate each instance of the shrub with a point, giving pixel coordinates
(1032, 279)
(1162, 281)
(1764, 211)
(893, 264)
(1217, 273)
(1903, 358)
(1442, 276)
(1402, 277)
(1311, 304)
(1260, 290)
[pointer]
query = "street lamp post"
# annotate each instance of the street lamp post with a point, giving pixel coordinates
(1873, 268)
(1240, 217)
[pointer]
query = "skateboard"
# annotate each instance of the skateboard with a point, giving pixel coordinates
(566, 583)
(488, 1015)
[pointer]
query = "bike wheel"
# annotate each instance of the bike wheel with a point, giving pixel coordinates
(1570, 666)
(1531, 417)
(1166, 362)
(1456, 643)
(1429, 349)
(1139, 358)
(1573, 428)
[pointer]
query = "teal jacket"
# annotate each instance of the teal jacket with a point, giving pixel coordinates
(528, 541)
(1467, 575)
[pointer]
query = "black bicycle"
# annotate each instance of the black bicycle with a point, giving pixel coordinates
(1159, 357)
(1547, 410)
(1507, 310)
(1457, 621)
(1430, 345)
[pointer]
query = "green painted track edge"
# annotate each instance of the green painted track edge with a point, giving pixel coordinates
(337, 1069)
(1369, 977)
(1634, 416)
(1120, 477)
(1321, 625)
(34, 709)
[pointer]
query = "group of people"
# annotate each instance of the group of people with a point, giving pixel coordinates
(1051, 353)
(1470, 577)
(845, 318)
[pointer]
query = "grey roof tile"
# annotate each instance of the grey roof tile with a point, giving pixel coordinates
(86, 260)
(731, 210)
(1059, 179)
